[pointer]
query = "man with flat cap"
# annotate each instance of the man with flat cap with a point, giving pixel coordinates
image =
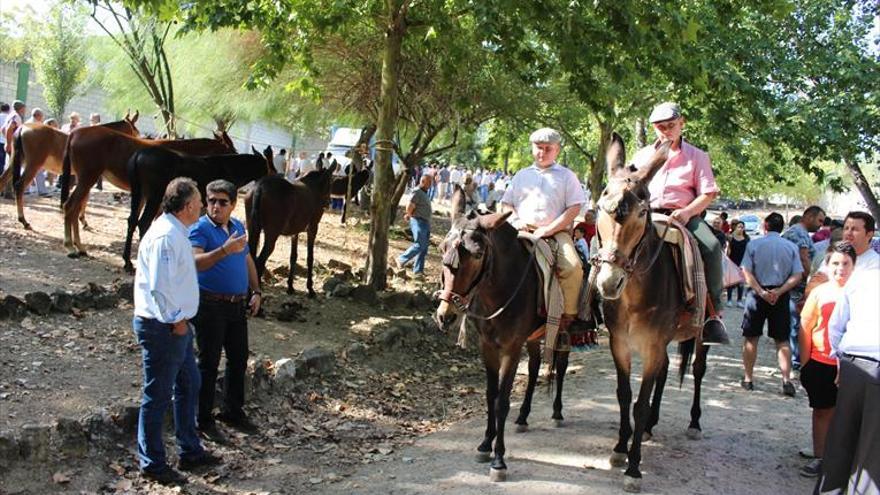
(545, 198)
(682, 189)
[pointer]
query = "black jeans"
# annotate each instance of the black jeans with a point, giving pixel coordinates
(739, 292)
(221, 326)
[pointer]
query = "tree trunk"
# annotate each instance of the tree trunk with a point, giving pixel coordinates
(598, 167)
(863, 186)
(377, 256)
(641, 133)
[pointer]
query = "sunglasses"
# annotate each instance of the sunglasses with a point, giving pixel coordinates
(218, 201)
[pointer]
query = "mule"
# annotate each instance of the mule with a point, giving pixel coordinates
(277, 207)
(340, 187)
(643, 304)
(489, 276)
(151, 169)
(92, 152)
(37, 146)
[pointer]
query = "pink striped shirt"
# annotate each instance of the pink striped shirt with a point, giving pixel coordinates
(686, 174)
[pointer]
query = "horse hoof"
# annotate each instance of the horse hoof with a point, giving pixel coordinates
(618, 459)
(522, 428)
(27, 226)
(647, 436)
(558, 423)
(632, 485)
(483, 457)
(694, 434)
(73, 255)
(497, 475)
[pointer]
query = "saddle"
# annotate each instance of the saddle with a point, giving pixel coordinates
(550, 299)
(688, 264)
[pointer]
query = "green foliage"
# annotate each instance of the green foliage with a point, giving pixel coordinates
(59, 56)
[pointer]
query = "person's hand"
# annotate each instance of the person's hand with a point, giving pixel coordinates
(837, 375)
(406, 217)
(8, 148)
(235, 244)
(254, 303)
(541, 232)
(681, 216)
(180, 328)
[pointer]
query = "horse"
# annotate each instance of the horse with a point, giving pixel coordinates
(339, 187)
(151, 169)
(643, 304)
(95, 151)
(489, 276)
(37, 146)
(278, 207)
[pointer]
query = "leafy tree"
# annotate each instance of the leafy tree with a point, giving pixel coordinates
(59, 56)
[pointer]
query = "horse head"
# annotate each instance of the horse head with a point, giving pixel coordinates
(623, 215)
(131, 120)
(466, 252)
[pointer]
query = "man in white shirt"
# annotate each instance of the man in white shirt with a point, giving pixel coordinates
(166, 297)
(858, 230)
(545, 199)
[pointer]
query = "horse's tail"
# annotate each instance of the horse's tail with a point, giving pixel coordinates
(65, 174)
(255, 223)
(17, 159)
(685, 352)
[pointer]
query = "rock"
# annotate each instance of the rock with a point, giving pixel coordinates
(288, 311)
(98, 425)
(282, 271)
(284, 372)
(395, 300)
(62, 302)
(347, 276)
(410, 330)
(125, 417)
(401, 274)
(15, 307)
(421, 300)
(9, 451)
(83, 299)
(106, 301)
(38, 302)
(330, 283)
(34, 442)
(338, 265)
(342, 290)
(260, 376)
(365, 294)
(355, 352)
(3, 312)
(316, 361)
(125, 290)
(389, 337)
(71, 437)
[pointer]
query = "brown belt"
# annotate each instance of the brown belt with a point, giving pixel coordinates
(229, 298)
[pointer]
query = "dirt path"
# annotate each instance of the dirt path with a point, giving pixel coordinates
(750, 444)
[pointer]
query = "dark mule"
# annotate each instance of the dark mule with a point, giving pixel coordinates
(340, 187)
(151, 169)
(277, 207)
(491, 277)
(38, 146)
(95, 151)
(644, 305)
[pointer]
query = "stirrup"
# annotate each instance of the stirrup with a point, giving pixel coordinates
(714, 332)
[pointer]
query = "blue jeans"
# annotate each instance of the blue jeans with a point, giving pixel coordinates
(484, 193)
(421, 231)
(169, 370)
(795, 299)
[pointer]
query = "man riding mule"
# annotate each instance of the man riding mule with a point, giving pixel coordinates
(682, 189)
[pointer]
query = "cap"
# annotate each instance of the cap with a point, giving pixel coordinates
(545, 135)
(665, 111)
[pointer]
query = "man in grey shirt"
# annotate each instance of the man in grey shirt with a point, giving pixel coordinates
(418, 214)
(772, 267)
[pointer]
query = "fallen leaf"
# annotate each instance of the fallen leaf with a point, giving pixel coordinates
(117, 468)
(61, 478)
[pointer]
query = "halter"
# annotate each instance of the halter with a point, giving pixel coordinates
(462, 302)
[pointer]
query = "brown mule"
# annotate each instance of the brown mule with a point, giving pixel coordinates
(38, 146)
(95, 151)
(491, 277)
(643, 304)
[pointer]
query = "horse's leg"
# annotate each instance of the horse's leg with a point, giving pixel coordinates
(694, 431)
(492, 364)
(19, 187)
(534, 350)
(654, 418)
(652, 360)
(310, 259)
(622, 363)
(269, 239)
(509, 362)
(294, 240)
(561, 367)
(80, 212)
(129, 234)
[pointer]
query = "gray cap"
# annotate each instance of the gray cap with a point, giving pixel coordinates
(545, 135)
(665, 111)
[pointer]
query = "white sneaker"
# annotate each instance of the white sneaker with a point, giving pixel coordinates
(740, 304)
(729, 303)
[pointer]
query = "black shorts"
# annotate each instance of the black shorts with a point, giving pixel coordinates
(777, 316)
(818, 379)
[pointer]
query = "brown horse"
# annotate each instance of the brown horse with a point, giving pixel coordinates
(95, 151)
(491, 277)
(277, 207)
(38, 146)
(644, 305)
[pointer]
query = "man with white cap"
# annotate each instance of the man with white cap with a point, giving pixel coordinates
(682, 189)
(545, 198)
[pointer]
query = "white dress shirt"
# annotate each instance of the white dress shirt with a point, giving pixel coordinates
(166, 287)
(854, 326)
(540, 195)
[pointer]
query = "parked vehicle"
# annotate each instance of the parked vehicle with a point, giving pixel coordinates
(752, 224)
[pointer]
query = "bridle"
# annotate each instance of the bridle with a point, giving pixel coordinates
(462, 302)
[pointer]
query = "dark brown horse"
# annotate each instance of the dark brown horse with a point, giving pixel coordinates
(491, 277)
(151, 169)
(277, 207)
(95, 151)
(38, 146)
(644, 305)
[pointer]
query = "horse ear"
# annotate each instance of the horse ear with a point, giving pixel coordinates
(254, 150)
(494, 220)
(134, 118)
(457, 203)
(615, 155)
(646, 171)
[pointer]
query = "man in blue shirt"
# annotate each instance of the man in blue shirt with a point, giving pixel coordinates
(772, 267)
(228, 288)
(799, 234)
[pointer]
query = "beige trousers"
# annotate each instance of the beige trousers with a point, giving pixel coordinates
(571, 273)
